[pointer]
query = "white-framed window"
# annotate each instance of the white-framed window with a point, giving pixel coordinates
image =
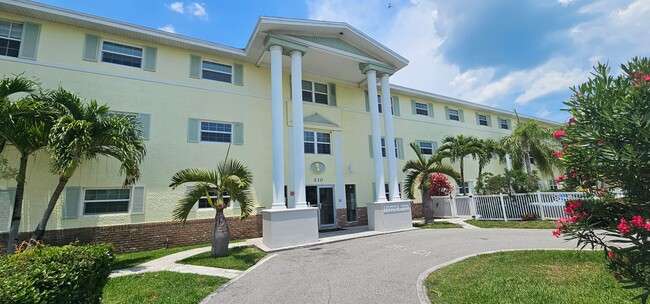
(216, 71)
(421, 109)
(216, 132)
(381, 107)
(106, 201)
(463, 188)
(315, 92)
(482, 120)
(203, 203)
(10, 37)
(387, 190)
(552, 185)
(453, 114)
(503, 124)
(383, 147)
(426, 147)
(318, 142)
(122, 54)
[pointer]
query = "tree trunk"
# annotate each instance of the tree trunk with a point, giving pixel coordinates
(40, 229)
(12, 238)
(462, 177)
(480, 172)
(220, 235)
(427, 207)
(527, 160)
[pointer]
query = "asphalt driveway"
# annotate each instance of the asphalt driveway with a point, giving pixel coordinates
(378, 269)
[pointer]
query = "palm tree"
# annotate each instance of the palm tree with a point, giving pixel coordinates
(25, 125)
(231, 178)
(489, 147)
(85, 132)
(417, 174)
(456, 148)
(530, 140)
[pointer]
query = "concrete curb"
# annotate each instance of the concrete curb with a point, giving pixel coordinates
(422, 291)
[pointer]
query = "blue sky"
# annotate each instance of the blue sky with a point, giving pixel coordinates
(522, 54)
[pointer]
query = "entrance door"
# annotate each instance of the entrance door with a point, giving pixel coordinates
(323, 198)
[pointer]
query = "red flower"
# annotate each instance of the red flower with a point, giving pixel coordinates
(558, 154)
(572, 121)
(647, 226)
(647, 78)
(562, 221)
(623, 227)
(565, 147)
(558, 134)
(556, 233)
(611, 255)
(637, 221)
(560, 178)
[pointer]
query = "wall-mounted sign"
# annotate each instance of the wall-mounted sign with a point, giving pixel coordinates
(317, 167)
(397, 208)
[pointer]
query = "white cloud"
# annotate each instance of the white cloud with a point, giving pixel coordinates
(564, 2)
(168, 28)
(177, 7)
(193, 8)
(543, 112)
(197, 9)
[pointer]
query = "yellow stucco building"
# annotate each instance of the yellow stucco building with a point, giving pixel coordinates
(302, 105)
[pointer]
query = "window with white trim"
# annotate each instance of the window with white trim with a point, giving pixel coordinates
(215, 132)
(318, 142)
(426, 147)
(421, 109)
(315, 92)
(454, 114)
(381, 107)
(503, 124)
(482, 120)
(106, 201)
(10, 38)
(383, 147)
(121, 54)
(216, 71)
(552, 185)
(204, 204)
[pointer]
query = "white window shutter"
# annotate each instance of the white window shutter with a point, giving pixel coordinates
(137, 200)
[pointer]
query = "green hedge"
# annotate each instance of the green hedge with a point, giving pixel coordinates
(68, 274)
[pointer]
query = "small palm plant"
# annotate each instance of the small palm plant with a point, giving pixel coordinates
(418, 172)
(231, 178)
(456, 148)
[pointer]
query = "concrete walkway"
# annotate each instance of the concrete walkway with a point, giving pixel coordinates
(168, 263)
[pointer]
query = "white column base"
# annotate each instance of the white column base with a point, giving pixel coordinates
(389, 216)
(289, 227)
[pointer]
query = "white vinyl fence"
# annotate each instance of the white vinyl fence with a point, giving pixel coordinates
(504, 207)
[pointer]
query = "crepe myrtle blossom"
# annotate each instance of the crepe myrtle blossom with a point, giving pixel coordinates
(623, 227)
(558, 134)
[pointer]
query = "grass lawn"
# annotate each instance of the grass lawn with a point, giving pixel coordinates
(240, 259)
(132, 259)
(514, 224)
(436, 225)
(160, 287)
(542, 276)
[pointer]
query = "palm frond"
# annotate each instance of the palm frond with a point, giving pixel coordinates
(186, 203)
(17, 84)
(194, 175)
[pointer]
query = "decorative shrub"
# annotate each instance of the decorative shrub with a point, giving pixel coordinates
(67, 274)
(495, 184)
(529, 217)
(439, 185)
(605, 147)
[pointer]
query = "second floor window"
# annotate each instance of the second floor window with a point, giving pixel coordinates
(318, 143)
(216, 132)
(10, 35)
(482, 120)
(454, 115)
(122, 54)
(421, 109)
(314, 92)
(216, 71)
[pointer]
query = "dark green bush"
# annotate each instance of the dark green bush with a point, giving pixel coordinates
(67, 274)
(529, 217)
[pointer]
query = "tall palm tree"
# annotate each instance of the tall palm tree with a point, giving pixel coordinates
(417, 174)
(25, 125)
(84, 132)
(231, 178)
(530, 140)
(456, 148)
(489, 147)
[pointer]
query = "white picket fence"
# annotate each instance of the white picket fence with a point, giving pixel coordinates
(504, 207)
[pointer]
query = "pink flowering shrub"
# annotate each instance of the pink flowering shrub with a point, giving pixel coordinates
(605, 148)
(439, 185)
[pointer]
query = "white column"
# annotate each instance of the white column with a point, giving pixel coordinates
(390, 139)
(277, 127)
(376, 137)
(298, 130)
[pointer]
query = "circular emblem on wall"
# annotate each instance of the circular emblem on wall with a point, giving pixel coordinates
(317, 167)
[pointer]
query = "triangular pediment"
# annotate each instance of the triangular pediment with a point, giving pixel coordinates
(336, 43)
(319, 119)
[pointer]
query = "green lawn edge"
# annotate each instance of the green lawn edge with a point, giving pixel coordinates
(539, 224)
(437, 225)
(240, 258)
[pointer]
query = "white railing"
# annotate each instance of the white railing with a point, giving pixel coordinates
(504, 207)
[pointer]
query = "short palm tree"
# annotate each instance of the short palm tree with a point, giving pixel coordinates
(231, 178)
(85, 132)
(530, 140)
(456, 148)
(25, 125)
(417, 174)
(487, 148)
